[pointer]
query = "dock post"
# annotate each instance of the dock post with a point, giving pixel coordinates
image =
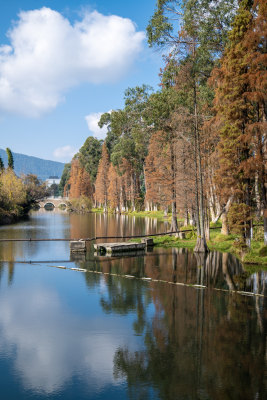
(77, 246)
(148, 241)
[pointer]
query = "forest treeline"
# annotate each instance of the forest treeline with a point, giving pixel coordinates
(17, 194)
(197, 146)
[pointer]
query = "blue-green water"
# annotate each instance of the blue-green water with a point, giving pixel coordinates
(67, 334)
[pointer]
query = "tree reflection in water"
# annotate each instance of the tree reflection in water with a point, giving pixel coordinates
(197, 344)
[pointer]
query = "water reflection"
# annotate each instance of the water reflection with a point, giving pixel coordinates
(52, 344)
(198, 346)
(65, 334)
(215, 270)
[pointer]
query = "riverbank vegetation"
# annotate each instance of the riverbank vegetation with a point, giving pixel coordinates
(17, 194)
(197, 146)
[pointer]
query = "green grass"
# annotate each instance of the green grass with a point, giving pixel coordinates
(97, 210)
(256, 255)
(172, 241)
(218, 242)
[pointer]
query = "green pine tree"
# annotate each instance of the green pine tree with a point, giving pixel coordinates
(10, 159)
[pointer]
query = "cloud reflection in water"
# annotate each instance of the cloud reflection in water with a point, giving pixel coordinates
(50, 344)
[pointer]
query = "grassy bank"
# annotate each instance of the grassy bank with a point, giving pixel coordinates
(257, 255)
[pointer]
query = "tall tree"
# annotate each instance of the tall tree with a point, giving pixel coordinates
(102, 179)
(73, 182)
(128, 137)
(64, 178)
(1, 165)
(89, 155)
(114, 189)
(256, 80)
(198, 47)
(241, 107)
(10, 159)
(158, 176)
(160, 108)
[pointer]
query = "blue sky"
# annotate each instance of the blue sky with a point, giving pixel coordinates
(64, 62)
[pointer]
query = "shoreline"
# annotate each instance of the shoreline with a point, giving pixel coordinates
(257, 254)
(223, 245)
(9, 219)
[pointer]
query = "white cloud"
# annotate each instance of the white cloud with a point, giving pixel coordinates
(65, 152)
(48, 55)
(92, 122)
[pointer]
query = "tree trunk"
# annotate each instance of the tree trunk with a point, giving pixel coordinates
(201, 245)
(174, 224)
(186, 218)
(265, 226)
(225, 229)
(257, 195)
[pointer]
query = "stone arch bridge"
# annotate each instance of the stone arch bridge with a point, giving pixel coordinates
(53, 201)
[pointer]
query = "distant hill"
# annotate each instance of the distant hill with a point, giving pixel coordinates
(33, 165)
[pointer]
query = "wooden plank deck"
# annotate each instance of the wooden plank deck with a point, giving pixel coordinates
(119, 247)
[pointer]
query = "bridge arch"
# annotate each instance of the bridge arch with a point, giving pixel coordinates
(49, 205)
(55, 202)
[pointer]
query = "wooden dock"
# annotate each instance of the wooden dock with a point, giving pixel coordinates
(112, 248)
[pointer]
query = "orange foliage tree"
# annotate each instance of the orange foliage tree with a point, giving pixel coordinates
(158, 177)
(241, 107)
(102, 179)
(79, 182)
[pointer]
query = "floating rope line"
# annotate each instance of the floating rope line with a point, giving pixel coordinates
(147, 279)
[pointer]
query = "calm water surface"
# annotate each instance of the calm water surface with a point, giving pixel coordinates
(66, 334)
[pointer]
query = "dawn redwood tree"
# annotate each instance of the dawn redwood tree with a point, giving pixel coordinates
(114, 189)
(79, 182)
(158, 172)
(160, 108)
(74, 183)
(85, 184)
(240, 103)
(102, 179)
(193, 20)
(256, 80)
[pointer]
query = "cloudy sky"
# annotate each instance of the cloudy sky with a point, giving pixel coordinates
(62, 64)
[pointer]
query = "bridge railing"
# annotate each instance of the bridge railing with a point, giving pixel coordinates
(55, 198)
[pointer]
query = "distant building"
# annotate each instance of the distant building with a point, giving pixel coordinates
(52, 180)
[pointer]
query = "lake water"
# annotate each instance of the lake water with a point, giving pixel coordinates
(67, 334)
